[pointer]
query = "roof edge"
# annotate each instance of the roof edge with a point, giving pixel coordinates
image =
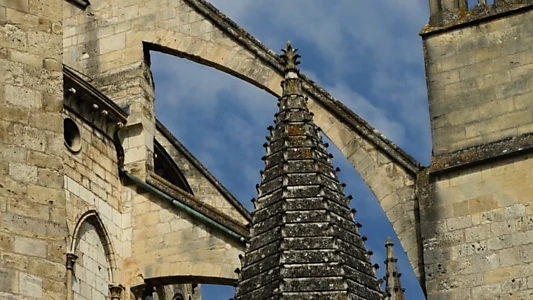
(212, 212)
(343, 113)
(180, 147)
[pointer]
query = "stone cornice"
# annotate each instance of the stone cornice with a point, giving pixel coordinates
(336, 108)
(482, 154)
(90, 104)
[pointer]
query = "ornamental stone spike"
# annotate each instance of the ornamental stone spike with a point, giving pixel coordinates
(290, 59)
(393, 287)
(292, 85)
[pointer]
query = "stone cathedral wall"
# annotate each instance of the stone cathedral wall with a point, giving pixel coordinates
(32, 200)
(152, 240)
(477, 220)
(92, 184)
(479, 232)
(56, 203)
(118, 232)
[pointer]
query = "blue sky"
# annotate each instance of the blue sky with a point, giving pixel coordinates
(367, 54)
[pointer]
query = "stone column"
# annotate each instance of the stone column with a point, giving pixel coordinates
(434, 7)
(71, 261)
(115, 291)
(450, 5)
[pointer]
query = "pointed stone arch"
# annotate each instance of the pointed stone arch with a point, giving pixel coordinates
(91, 217)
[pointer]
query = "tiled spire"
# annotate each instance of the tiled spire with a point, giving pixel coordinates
(393, 287)
(304, 243)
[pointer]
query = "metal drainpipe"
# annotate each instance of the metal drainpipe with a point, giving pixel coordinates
(193, 213)
(120, 151)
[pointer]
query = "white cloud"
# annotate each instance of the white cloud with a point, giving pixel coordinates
(206, 88)
(343, 27)
(376, 40)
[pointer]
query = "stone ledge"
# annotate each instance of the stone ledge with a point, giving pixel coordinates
(463, 18)
(89, 104)
(206, 209)
(343, 113)
(481, 154)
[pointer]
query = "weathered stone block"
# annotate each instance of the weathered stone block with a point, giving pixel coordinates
(13, 37)
(23, 97)
(113, 43)
(3, 15)
(9, 281)
(30, 285)
(23, 173)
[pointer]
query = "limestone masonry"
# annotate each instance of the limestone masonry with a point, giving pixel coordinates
(98, 200)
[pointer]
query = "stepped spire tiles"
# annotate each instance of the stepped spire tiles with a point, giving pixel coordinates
(304, 243)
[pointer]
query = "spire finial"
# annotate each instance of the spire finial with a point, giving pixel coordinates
(393, 285)
(290, 58)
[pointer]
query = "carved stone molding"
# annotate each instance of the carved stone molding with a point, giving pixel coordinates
(71, 260)
(90, 104)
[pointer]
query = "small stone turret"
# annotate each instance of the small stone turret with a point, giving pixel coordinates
(304, 243)
(393, 287)
(445, 13)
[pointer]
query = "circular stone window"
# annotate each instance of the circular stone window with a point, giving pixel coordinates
(71, 134)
